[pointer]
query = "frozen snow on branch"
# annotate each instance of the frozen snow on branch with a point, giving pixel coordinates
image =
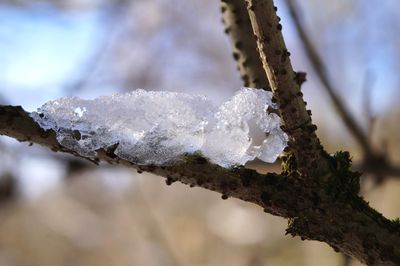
(156, 127)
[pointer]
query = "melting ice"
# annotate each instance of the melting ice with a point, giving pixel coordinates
(156, 127)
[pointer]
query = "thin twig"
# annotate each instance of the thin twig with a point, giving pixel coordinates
(374, 162)
(117, 12)
(367, 93)
(320, 70)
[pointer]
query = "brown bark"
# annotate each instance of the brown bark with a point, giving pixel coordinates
(237, 26)
(330, 212)
(267, 190)
(327, 222)
(303, 141)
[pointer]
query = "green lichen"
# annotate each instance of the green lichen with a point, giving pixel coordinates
(289, 165)
(196, 158)
(345, 181)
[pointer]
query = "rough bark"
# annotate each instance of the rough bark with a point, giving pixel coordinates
(330, 212)
(237, 26)
(269, 191)
(322, 222)
(303, 141)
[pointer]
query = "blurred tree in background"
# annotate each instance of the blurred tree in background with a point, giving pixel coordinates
(56, 210)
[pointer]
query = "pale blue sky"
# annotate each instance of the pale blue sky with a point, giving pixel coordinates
(40, 49)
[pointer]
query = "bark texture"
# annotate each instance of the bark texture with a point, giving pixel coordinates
(284, 83)
(330, 211)
(237, 26)
(309, 161)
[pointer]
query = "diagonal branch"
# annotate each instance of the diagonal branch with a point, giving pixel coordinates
(237, 26)
(276, 62)
(374, 162)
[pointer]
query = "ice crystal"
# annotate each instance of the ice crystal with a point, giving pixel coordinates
(149, 127)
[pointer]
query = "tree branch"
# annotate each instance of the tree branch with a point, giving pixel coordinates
(330, 212)
(303, 141)
(237, 26)
(194, 170)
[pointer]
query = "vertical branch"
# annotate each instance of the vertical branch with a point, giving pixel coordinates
(276, 62)
(374, 162)
(237, 26)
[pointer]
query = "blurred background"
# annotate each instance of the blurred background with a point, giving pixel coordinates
(56, 210)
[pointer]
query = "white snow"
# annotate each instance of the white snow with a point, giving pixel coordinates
(79, 111)
(156, 127)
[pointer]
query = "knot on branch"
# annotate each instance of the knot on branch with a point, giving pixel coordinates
(300, 77)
